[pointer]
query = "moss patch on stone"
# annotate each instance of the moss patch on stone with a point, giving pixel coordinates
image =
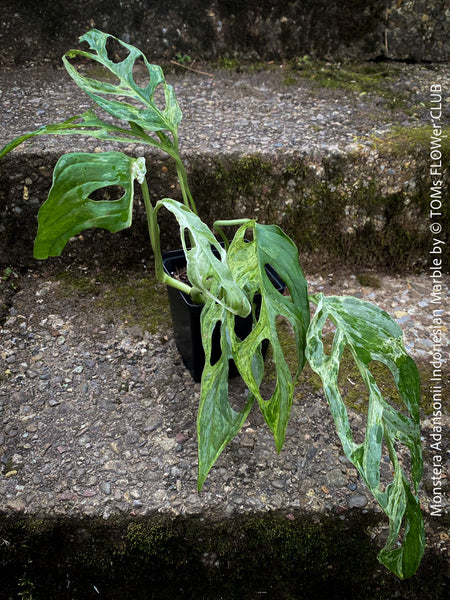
(131, 299)
(368, 280)
(346, 211)
(198, 557)
(404, 141)
(140, 302)
(360, 78)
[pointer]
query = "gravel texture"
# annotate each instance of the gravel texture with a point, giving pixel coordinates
(244, 112)
(322, 156)
(98, 413)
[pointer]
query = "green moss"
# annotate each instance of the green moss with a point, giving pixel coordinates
(130, 299)
(242, 64)
(368, 280)
(296, 170)
(289, 80)
(244, 174)
(149, 537)
(97, 71)
(26, 589)
(81, 285)
(197, 557)
(229, 63)
(140, 302)
(158, 556)
(360, 78)
(403, 141)
(316, 211)
(8, 466)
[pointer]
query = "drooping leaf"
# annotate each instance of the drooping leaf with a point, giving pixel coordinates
(371, 335)
(69, 210)
(248, 261)
(207, 267)
(140, 106)
(217, 422)
(85, 124)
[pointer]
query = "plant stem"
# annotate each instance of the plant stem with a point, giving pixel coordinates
(153, 229)
(188, 200)
(217, 225)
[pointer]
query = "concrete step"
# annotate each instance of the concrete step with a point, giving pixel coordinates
(215, 29)
(98, 445)
(98, 458)
(339, 157)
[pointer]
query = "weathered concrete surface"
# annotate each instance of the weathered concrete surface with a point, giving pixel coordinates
(98, 457)
(98, 413)
(209, 29)
(345, 173)
(273, 556)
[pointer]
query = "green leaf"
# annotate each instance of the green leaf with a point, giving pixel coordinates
(85, 124)
(207, 271)
(217, 422)
(372, 335)
(109, 95)
(69, 210)
(248, 260)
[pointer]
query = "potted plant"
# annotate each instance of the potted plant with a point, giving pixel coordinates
(223, 280)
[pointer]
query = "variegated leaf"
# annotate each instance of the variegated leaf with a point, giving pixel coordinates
(69, 210)
(371, 335)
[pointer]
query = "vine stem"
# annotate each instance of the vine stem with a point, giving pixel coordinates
(188, 199)
(153, 229)
(217, 226)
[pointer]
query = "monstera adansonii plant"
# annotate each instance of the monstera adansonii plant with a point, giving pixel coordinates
(226, 277)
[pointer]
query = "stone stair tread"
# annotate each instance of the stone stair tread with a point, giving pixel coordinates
(244, 113)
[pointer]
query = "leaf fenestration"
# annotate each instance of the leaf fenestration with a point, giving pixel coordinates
(68, 209)
(248, 261)
(371, 334)
(217, 422)
(110, 97)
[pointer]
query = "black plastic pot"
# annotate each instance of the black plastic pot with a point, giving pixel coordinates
(186, 320)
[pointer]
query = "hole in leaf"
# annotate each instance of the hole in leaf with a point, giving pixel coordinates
(159, 98)
(386, 469)
(386, 383)
(269, 380)
(286, 340)
(102, 74)
(354, 394)
(274, 278)
(351, 385)
(248, 236)
(187, 239)
(404, 459)
(116, 51)
(216, 350)
(141, 75)
(108, 193)
(237, 393)
(94, 70)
